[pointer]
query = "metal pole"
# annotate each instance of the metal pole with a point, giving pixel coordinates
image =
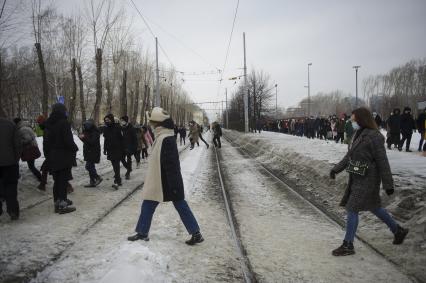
(276, 98)
(309, 92)
(246, 118)
(356, 85)
(157, 72)
(226, 104)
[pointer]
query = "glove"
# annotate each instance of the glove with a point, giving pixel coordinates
(332, 174)
(390, 192)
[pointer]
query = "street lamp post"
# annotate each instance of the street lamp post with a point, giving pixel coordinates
(309, 92)
(356, 85)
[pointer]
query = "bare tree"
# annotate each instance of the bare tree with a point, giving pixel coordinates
(40, 16)
(102, 17)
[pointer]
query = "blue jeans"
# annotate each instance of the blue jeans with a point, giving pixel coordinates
(90, 167)
(352, 222)
(148, 209)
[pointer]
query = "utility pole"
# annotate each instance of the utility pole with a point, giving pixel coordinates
(157, 73)
(226, 105)
(246, 118)
(356, 85)
(276, 99)
(309, 92)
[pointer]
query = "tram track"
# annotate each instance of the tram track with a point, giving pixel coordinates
(310, 201)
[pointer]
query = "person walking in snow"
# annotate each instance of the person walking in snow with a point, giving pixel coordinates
(61, 156)
(407, 127)
(200, 134)
(146, 142)
(217, 133)
(10, 152)
(139, 138)
(91, 150)
(182, 134)
(340, 129)
(130, 144)
(163, 181)
(368, 166)
(113, 146)
(30, 151)
(348, 131)
(421, 126)
(377, 119)
(193, 134)
(394, 128)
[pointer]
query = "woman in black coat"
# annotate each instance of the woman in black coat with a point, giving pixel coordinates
(368, 167)
(61, 156)
(91, 150)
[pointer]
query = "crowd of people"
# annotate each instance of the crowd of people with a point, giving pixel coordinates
(399, 127)
(123, 143)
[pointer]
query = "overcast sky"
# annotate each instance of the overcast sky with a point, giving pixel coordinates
(282, 38)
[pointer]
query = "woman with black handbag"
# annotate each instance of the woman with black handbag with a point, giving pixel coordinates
(368, 166)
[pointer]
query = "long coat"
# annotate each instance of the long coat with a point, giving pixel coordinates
(10, 143)
(363, 192)
(407, 124)
(113, 143)
(130, 140)
(194, 133)
(60, 144)
(91, 145)
(163, 180)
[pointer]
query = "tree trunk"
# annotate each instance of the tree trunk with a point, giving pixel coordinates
(73, 92)
(144, 105)
(136, 103)
(2, 113)
(131, 105)
(44, 100)
(109, 97)
(97, 107)
(82, 102)
(123, 95)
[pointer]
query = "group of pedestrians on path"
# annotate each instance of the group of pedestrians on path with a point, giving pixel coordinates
(122, 142)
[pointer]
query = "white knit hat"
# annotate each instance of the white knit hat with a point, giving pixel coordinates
(158, 114)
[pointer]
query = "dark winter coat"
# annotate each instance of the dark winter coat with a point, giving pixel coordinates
(60, 145)
(113, 142)
(10, 143)
(91, 145)
(363, 192)
(217, 131)
(421, 122)
(171, 177)
(130, 140)
(394, 123)
(407, 124)
(182, 132)
(340, 126)
(378, 121)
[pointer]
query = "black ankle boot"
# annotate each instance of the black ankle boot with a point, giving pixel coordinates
(138, 237)
(345, 249)
(196, 238)
(400, 235)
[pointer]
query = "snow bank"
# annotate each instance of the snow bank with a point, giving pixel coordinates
(306, 163)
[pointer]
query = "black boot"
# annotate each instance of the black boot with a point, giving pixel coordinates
(62, 207)
(128, 175)
(196, 238)
(138, 237)
(345, 249)
(400, 235)
(98, 180)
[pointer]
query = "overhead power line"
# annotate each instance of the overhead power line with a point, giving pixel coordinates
(229, 42)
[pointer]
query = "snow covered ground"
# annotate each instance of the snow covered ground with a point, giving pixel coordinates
(307, 163)
(285, 240)
(105, 255)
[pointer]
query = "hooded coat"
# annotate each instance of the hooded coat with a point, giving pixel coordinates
(407, 122)
(394, 122)
(113, 142)
(163, 180)
(60, 146)
(363, 192)
(91, 142)
(28, 137)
